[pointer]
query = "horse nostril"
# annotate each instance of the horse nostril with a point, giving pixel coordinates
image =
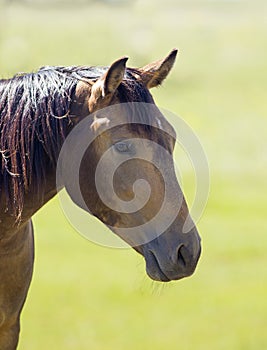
(180, 256)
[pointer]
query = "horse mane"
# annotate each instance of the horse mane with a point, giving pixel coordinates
(34, 120)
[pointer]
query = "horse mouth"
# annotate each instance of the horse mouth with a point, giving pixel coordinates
(154, 270)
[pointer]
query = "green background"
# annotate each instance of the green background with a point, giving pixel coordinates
(85, 296)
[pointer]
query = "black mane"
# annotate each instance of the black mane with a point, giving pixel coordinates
(34, 118)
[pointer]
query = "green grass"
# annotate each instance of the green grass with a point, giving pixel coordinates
(84, 296)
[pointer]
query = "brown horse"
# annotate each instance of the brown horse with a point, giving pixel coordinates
(37, 113)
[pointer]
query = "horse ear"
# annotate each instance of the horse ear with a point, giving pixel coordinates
(104, 88)
(154, 73)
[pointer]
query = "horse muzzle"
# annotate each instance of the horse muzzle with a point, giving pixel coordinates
(165, 262)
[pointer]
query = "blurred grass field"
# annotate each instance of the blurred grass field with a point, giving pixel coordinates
(84, 296)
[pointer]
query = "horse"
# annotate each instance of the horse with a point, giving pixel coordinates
(37, 113)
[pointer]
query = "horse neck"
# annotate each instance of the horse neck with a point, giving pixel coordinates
(33, 201)
(33, 141)
(38, 193)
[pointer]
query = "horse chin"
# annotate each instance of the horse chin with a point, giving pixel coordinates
(158, 275)
(153, 269)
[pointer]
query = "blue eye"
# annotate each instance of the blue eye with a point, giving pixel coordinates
(123, 147)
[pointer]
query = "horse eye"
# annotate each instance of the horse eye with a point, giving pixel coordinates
(123, 147)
